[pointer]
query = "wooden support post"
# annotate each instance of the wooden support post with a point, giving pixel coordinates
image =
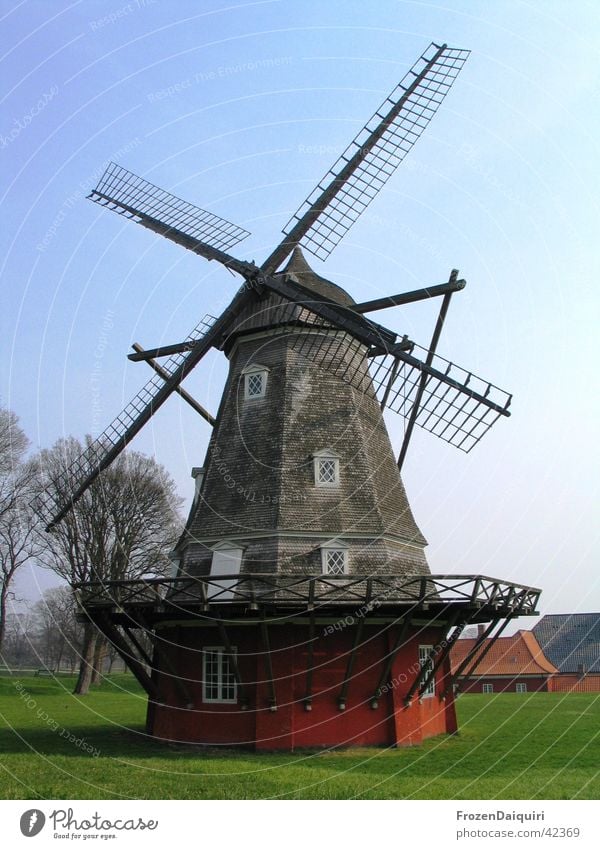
(424, 376)
(310, 659)
(445, 650)
(390, 383)
(264, 632)
(470, 655)
(141, 650)
(185, 395)
(468, 675)
(233, 661)
(424, 671)
(350, 665)
(390, 658)
(410, 297)
(126, 651)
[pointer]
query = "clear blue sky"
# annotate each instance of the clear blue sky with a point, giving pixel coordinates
(240, 108)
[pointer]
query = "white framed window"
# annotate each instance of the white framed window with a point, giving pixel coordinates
(226, 560)
(218, 679)
(426, 662)
(334, 558)
(326, 468)
(255, 382)
(487, 688)
(520, 688)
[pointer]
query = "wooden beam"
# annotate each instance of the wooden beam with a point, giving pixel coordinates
(233, 661)
(310, 659)
(444, 653)
(126, 651)
(141, 650)
(410, 297)
(179, 389)
(264, 632)
(350, 665)
(424, 376)
(384, 677)
(468, 675)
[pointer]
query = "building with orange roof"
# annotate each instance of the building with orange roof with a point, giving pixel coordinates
(513, 664)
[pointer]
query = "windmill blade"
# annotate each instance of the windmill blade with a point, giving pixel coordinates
(176, 219)
(453, 403)
(105, 448)
(456, 405)
(372, 157)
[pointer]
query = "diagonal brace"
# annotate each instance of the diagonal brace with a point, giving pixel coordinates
(385, 674)
(179, 389)
(342, 699)
(424, 376)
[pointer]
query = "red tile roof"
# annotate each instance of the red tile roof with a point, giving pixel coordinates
(517, 655)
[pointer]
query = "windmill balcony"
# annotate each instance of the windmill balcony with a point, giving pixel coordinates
(480, 597)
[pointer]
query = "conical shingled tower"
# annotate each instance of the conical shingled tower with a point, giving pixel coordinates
(262, 488)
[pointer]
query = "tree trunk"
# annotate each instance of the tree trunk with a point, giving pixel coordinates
(99, 656)
(86, 666)
(3, 597)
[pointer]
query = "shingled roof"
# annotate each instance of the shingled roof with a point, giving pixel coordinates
(520, 654)
(571, 640)
(298, 268)
(259, 485)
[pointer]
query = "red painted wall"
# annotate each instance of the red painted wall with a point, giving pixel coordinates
(182, 715)
(535, 684)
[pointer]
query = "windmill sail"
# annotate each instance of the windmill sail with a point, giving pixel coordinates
(372, 157)
(147, 204)
(457, 406)
(102, 450)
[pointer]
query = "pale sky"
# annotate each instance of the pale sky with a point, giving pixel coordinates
(240, 109)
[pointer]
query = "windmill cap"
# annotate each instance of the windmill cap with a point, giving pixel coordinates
(300, 270)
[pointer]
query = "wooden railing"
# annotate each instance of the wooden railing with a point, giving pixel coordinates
(257, 590)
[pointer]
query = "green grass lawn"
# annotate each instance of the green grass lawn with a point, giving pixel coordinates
(510, 746)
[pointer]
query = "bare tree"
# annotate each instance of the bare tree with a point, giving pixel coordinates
(123, 527)
(17, 544)
(19, 645)
(13, 442)
(59, 633)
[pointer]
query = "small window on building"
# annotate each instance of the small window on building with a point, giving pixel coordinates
(520, 688)
(226, 560)
(334, 559)
(426, 662)
(255, 382)
(327, 468)
(487, 688)
(218, 679)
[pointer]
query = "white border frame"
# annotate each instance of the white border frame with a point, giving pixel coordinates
(249, 372)
(221, 651)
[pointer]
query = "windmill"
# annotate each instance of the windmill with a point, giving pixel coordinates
(300, 515)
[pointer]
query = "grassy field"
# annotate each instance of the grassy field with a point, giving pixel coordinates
(541, 745)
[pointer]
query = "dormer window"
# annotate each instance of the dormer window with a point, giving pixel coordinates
(334, 558)
(326, 468)
(255, 382)
(226, 560)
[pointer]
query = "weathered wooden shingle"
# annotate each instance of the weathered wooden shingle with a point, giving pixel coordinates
(259, 487)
